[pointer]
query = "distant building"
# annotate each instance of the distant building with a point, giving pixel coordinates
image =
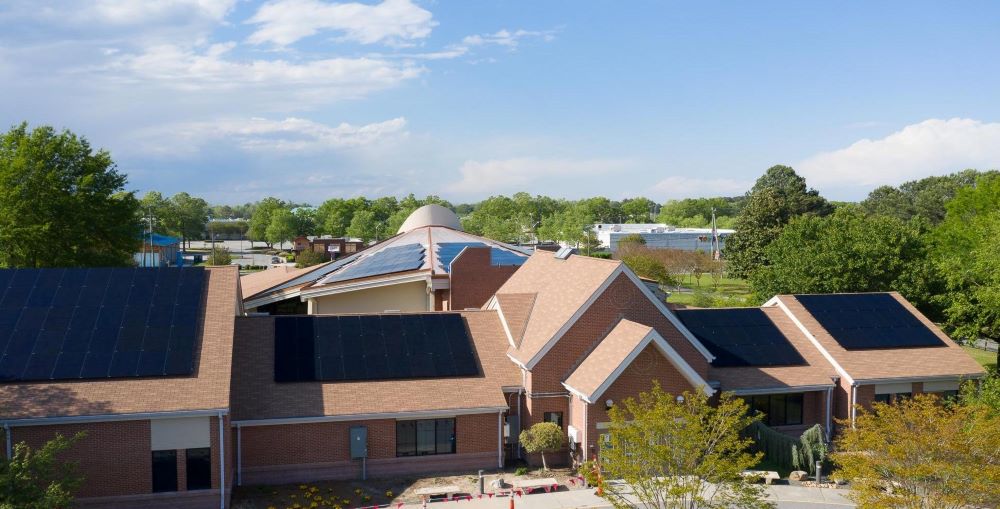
(331, 247)
(660, 236)
(157, 251)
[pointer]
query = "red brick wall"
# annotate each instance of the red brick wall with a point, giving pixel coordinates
(114, 457)
(534, 413)
(474, 280)
(621, 300)
(304, 452)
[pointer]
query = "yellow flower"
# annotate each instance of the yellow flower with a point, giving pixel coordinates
(318, 498)
(302, 486)
(357, 491)
(388, 494)
(346, 501)
(293, 496)
(314, 504)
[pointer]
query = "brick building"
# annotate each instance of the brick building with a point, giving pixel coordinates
(334, 395)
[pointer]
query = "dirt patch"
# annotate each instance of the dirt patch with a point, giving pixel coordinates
(349, 494)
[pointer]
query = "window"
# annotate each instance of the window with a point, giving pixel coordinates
(164, 471)
(199, 468)
(425, 437)
(779, 409)
(555, 417)
(892, 399)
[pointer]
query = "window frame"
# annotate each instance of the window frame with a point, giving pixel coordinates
(163, 486)
(439, 428)
(547, 417)
(786, 401)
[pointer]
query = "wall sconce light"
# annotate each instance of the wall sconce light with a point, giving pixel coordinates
(608, 404)
(680, 399)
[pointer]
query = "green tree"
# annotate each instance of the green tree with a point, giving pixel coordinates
(38, 478)
(365, 226)
(967, 252)
(334, 216)
(61, 203)
(848, 251)
(188, 216)
(219, 255)
(925, 198)
(681, 453)
(777, 197)
(282, 228)
(920, 454)
(309, 258)
(305, 220)
(261, 219)
(495, 218)
(639, 210)
(542, 437)
(646, 265)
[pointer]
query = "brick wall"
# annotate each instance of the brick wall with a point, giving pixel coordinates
(474, 279)
(114, 457)
(313, 451)
(621, 300)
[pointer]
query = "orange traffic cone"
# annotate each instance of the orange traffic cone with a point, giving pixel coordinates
(512, 501)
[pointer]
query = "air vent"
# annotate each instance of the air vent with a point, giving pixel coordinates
(564, 253)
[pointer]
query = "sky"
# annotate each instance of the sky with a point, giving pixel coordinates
(305, 100)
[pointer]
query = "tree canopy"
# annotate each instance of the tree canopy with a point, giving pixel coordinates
(542, 437)
(775, 199)
(61, 203)
(38, 478)
(925, 198)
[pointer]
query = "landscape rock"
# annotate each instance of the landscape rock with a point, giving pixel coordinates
(798, 475)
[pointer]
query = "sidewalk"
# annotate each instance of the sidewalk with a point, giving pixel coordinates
(586, 499)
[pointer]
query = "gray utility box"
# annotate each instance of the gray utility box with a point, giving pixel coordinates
(359, 442)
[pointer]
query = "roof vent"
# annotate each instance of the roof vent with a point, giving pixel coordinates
(564, 253)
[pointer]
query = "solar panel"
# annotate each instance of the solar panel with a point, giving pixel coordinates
(387, 261)
(448, 251)
(63, 324)
(869, 321)
(372, 347)
(740, 337)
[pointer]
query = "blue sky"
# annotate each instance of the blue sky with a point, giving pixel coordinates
(309, 99)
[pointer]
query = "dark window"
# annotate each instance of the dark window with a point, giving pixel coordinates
(892, 399)
(425, 437)
(882, 398)
(199, 468)
(164, 471)
(778, 409)
(555, 417)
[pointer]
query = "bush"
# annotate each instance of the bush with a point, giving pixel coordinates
(544, 436)
(219, 256)
(521, 471)
(309, 258)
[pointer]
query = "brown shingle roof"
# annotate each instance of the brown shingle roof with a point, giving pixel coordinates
(516, 309)
(207, 389)
(257, 396)
(817, 371)
(607, 357)
(258, 282)
(562, 288)
(890, 363)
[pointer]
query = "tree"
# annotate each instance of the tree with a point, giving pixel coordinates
(188, 216)
(365, 226)
(261, 219)
(967, 252)
(848, 251)
(282, 228)
(921, 454)
(681, 453)
(630, 239)
(496, 218)
(925, 198)
(777, 197)
(61, 203)
(645, 264)
(544, 436)
(219, 256)
(38, 479)
(639, 210)
(305, 220)
(334, 215)
(309, 258)
(680, 212)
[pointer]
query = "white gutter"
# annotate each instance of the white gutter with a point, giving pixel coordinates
(222, 463)
(829, 409)
(910, 379)
(854, 403)
(368, 417)
(782, 390)
(142, 416)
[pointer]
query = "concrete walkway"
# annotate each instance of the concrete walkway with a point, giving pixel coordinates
(787, 497)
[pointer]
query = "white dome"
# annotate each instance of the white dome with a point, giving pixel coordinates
(431, 215)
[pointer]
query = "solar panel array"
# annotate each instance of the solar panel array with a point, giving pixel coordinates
(371, 347)
(740, 337)
(386, 261)
(447, 251)
(64, 324)
(868, 321)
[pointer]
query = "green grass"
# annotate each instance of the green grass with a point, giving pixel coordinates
(728, 292)
(986, 359)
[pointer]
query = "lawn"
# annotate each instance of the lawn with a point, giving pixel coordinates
(986, 359)
(728, 293)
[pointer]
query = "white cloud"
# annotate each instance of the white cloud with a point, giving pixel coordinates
(516, 174)
(261, 134)
(687, 187)
(131, 12)
(507, 38)
(931, 147)
(264, 81)
(283, 22)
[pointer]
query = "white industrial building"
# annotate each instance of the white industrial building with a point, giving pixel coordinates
(660, 236)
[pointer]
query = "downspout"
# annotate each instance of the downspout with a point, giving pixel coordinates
(854, 403)
(829, 410)
(239, 455)
(586, 432)
(222, 464)
(499, 439)
(6, 434)
(520, 418)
